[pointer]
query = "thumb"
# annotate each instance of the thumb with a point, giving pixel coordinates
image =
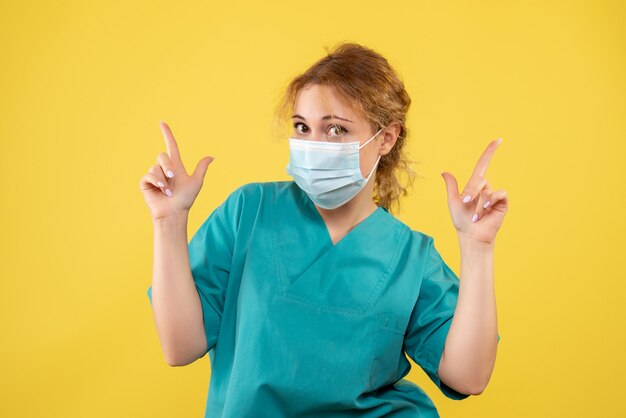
(201, 168)
(451, 185)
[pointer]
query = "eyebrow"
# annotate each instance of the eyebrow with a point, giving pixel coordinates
(324, 118)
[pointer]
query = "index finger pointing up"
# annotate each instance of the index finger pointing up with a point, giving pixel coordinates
(485, 158)
(172, 147)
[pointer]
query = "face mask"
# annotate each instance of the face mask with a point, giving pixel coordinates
(328, 172)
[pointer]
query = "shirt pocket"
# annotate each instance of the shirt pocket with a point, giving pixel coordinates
(388, 341)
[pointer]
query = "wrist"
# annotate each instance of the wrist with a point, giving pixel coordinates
(469, 242)
(174, 220)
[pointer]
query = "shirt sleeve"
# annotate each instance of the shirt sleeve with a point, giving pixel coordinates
(210, 257)
(431, 318)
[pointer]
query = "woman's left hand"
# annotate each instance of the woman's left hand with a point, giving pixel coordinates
(470, 218)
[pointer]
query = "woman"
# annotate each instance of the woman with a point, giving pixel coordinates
(309, 294)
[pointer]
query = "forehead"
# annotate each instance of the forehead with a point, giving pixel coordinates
(315, 101)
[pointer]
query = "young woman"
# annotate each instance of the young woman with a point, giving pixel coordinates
(309, 294)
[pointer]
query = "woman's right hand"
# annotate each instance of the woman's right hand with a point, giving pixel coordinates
(173, 194)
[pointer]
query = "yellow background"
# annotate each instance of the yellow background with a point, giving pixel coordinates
(83, 85)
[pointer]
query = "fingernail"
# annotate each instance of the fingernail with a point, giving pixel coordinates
(170, 173)
(487, 204)
(467, 198)
(474, 218)
(168, 192)
(160, 183)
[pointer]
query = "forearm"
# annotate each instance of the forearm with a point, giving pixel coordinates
(471, 345)
(175, 302)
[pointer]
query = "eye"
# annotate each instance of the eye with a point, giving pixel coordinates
(338, 128)
(306, 128)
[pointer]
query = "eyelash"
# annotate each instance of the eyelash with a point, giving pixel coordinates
(341, 128)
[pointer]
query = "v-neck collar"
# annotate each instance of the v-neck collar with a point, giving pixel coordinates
(348, 276)
(322, 224)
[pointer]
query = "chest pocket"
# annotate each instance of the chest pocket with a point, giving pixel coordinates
(387, 345)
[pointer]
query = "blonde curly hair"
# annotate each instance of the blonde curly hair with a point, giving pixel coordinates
(373, 87)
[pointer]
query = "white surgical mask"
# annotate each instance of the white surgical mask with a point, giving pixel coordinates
(328, 172)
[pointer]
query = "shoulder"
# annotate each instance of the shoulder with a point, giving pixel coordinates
(242, 206)
(416, 239)
(256, 192)
(259, 188)
(415, 245)
(248, 197)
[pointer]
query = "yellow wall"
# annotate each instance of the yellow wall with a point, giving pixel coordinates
(84, 84)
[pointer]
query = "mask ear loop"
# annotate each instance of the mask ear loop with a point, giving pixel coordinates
(376, 164)
(373, 168)
(368, 141)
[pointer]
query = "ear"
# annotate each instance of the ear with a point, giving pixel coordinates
(390, 136)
